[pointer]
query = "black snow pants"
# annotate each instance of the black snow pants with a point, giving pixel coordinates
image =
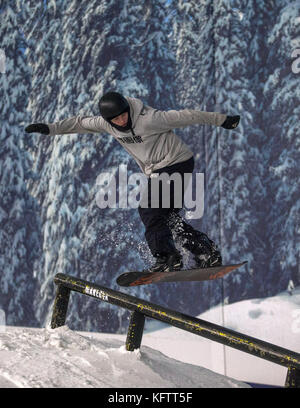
(161, 223)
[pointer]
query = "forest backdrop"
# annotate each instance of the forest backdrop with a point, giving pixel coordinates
(235, 57)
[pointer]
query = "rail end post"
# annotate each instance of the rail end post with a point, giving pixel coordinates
(292, 378)
(60, 307)
(135, 331)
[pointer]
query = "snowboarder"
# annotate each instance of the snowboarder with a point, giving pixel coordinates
(147, 135)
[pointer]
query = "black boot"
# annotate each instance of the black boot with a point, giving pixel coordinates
(166, 263)
(204, 250)
(206, 254)
(208, 261)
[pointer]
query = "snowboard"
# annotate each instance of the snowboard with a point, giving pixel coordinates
(182, 275)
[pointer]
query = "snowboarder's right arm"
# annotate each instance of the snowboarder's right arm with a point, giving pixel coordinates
(75, 124)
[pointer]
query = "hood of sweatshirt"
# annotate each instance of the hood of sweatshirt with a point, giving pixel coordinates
(136, 108)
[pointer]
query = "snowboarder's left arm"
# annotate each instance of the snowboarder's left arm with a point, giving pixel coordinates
(167, 120)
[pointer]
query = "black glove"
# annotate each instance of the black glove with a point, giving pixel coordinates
(231, 122)
(38, 127)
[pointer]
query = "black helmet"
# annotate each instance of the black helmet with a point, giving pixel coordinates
(112, 104)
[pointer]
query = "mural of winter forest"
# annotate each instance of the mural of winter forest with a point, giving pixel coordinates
(232, 56)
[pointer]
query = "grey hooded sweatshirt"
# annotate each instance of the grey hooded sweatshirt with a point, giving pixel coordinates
(151, 141)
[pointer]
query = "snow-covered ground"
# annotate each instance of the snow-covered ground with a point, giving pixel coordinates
(168, 358)
(64, 358)
(274, 319)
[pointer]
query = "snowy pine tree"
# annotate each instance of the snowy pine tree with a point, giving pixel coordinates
(239, 160)
(281, 118)
(195, 89)
(18, 227)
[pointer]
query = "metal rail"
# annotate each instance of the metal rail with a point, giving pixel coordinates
(141, 308)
